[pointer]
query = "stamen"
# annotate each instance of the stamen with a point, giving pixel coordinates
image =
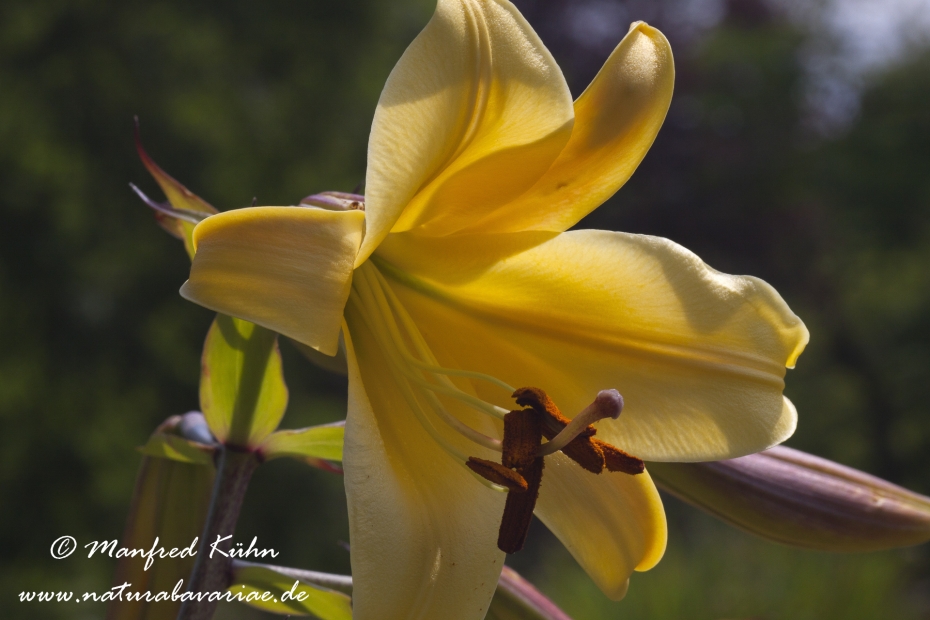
(498, 474)
(423, 349)
(420, 414)
(607, 404)
(617, 460)
(403, 373)
(380, 298)
(386, 321)
(522, 434)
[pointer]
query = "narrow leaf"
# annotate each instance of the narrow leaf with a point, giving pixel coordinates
(242, 390)
(315, 442)
(289, 595)
(801, 500)
(179, 197)
(176, 448)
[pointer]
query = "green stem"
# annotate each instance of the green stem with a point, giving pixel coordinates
(212, 574)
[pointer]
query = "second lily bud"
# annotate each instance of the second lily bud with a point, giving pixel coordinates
(801, 500)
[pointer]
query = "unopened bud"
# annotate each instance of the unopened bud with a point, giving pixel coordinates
(335, 201)
(801, 500)
(193, 427)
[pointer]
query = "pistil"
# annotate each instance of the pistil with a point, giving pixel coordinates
(592, 454)
(608, 404)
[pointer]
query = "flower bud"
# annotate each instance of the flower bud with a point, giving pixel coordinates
(801, 500)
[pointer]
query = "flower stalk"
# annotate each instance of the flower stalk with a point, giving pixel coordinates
(213, 567)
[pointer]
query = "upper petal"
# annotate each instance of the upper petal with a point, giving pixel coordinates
(698, 355)
(285, 268)
(611, 523)
(473, 114)
(616, 121)
(423, 530)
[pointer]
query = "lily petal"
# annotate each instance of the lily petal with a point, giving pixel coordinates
(473, 114)
(611, 523)
(285, 268)
(423, 530)
(616, 121)
(698, 355)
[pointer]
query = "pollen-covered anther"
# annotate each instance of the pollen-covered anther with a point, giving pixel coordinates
(498, 474)
(522, 436)
(617, 460)
(520, 472)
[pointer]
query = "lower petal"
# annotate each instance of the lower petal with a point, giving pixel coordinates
(612, 523)
(423, 530)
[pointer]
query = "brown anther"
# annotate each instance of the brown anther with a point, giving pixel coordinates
(522, 436)
(585, 452)
(498, 474)
(518, 510)
(617, 460)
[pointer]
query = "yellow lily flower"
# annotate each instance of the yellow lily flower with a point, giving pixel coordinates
(456, 281)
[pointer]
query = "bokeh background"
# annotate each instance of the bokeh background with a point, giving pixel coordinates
(797, 149)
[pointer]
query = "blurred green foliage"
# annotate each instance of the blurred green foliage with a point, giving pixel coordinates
(274, 100)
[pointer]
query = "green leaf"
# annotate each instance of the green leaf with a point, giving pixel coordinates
(170, 503)
(176, 448)
(242, 390)
(315, 442)
(303, 598)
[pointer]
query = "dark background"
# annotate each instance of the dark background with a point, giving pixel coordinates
(830, 204)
